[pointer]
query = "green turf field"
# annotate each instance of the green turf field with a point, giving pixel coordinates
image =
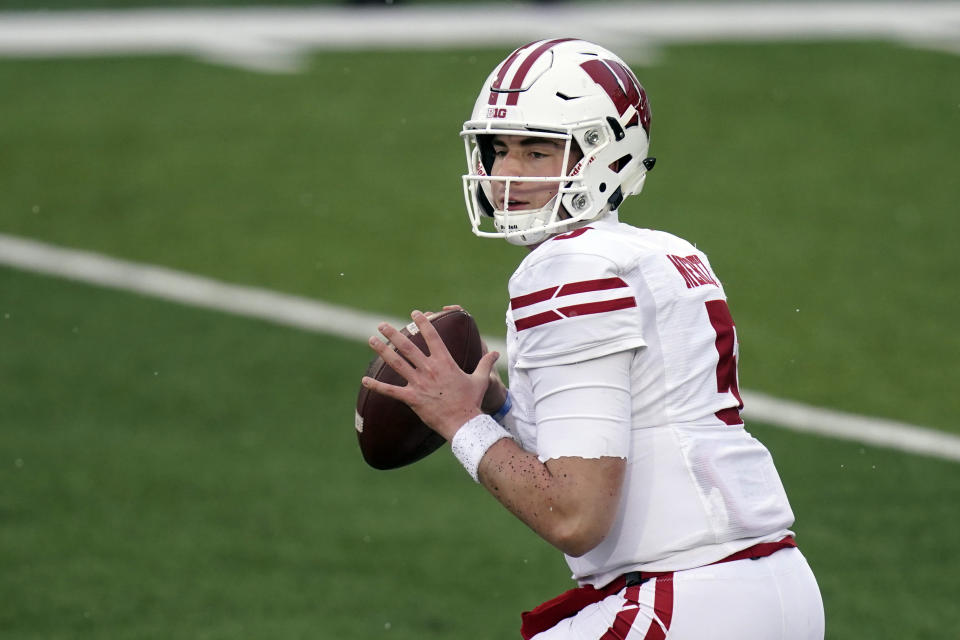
(174, 473)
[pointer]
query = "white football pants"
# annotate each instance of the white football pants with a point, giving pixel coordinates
(771, 598)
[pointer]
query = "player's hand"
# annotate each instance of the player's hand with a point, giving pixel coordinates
(496, 393)
(438, 390)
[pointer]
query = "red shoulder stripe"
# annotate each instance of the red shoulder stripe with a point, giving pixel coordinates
(603, 306)
(591, 285)
(584, 286)
(537, 319)
(532, 298)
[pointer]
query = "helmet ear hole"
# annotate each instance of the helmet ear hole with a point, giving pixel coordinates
(618, 132)
(615, 199)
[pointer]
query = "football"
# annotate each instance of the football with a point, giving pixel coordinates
(390, 434)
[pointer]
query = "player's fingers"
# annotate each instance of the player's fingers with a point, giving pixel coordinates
(402, 344)
(392, 358)
(434, 342)
(389, 390)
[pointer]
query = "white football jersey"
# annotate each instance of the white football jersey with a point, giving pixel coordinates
(698, 486)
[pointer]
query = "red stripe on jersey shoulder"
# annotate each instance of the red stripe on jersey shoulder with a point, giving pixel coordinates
(537, 319)
(584, 286)
(532, 298)
(590, 308)
(571, 288)
(575, 310)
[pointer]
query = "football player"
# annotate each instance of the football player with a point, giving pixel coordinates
(620, 440)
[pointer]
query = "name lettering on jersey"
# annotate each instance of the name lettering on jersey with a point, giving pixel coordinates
(609, 303)
(694, 272)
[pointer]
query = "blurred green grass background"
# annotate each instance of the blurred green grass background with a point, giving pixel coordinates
(170, 472)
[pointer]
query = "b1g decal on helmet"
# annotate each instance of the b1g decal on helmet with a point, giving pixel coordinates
(623, 88)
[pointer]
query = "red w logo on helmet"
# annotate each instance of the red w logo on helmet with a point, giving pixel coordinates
(623, 88)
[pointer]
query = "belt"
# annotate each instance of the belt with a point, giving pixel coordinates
(761, 550)
(568, 604)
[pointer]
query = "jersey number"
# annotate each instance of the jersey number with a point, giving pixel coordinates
(726, 344)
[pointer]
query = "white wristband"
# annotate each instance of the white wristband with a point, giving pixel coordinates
(473, 439)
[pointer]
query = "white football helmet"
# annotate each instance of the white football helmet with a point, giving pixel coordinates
(572, 91)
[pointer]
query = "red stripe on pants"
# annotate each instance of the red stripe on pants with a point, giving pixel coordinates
(662, 608)
(625, 618)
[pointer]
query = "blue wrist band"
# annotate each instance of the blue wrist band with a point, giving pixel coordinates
(504, 410)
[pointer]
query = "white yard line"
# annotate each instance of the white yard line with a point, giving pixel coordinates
(321, 317)
(847, 426)
(189, 289)
(277, 39)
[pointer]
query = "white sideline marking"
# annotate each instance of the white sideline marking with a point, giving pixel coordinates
(189, 289)
(847, 426)
(313, 315)
(277, 39)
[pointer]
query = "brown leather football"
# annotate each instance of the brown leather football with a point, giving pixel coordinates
(390, 434)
